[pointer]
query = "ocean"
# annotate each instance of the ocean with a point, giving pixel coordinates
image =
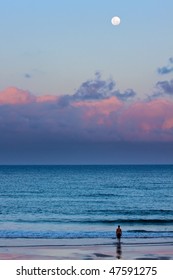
(87, 201)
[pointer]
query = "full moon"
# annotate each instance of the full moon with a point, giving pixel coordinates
(115, 20)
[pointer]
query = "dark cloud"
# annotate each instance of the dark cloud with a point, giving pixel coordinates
(165, 87)
(96, 89)
(27, 76)
(129, 93)
(166, 69)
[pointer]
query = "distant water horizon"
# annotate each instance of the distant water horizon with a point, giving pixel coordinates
(86, 201)
(87, 164)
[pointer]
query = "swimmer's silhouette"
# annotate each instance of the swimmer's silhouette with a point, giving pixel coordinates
(118, 233)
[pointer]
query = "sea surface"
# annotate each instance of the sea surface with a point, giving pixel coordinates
(89, 201)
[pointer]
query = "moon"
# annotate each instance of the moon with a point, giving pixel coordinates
(115, 20)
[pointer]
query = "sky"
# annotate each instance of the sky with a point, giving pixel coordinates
(74, 89)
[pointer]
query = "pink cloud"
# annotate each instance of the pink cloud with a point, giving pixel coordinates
(99, 110)
(14, 96)
(100, 119)
(148, 120)
(168, 124)
(103, 106)
(46, 98)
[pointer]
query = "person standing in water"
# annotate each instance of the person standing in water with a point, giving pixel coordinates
(118, 232)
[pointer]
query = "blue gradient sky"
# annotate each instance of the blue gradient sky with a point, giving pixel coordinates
(76, 89)
(60, 44)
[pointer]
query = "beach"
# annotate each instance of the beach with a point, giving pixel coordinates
(101, 249)
(72, 212)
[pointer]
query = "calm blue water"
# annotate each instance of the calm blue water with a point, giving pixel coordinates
(86, 201)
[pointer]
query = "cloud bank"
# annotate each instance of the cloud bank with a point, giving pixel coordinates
(96, 113)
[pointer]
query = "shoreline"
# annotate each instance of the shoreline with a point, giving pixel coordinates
(79, 249)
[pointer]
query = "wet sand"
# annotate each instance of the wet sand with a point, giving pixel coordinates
(87, 249)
